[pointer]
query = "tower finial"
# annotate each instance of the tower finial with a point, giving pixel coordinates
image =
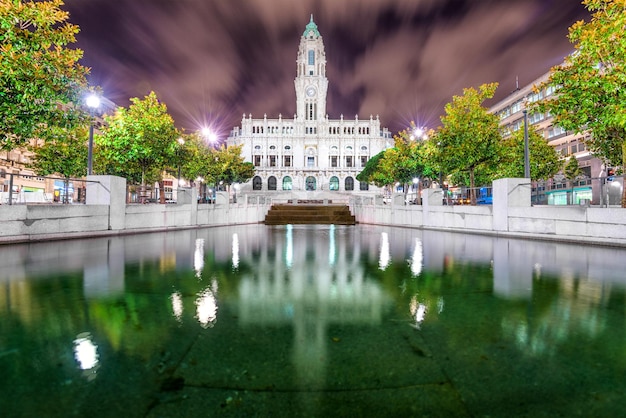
(311, 17)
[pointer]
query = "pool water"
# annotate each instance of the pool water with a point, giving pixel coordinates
(311, 321)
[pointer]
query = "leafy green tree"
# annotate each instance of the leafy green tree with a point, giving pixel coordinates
(590, 83)
(228, 166)
(64, 153)
(139, 142)
(544, 160)
(469, 138)
(41, 82)
(372, 174)
(572, 169)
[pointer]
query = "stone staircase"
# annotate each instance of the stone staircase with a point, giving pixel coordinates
(283, 214)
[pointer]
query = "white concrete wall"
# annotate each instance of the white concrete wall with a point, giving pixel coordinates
(106, 213)
(511, 215)
(508, 217)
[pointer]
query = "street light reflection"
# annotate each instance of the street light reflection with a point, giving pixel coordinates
(86, 354)
(235, 251)
(385, 255)
(418, 312)
(206, 308)
(198, 257)
(177, 305)
(417, 258)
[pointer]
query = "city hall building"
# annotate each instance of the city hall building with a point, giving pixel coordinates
(309, 152)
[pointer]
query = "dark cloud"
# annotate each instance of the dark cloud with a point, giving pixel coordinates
(211, 61)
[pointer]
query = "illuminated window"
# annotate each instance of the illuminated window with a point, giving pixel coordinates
(287, 183)
(334, 183)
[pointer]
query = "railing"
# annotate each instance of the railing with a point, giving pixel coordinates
(18, 189)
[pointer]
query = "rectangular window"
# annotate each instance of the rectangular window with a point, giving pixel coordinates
(333, 161)
(287, 161)
(257, 160)
(272, 161)
(310, 161)
(349, 161)
(363, 161)
(311, 57)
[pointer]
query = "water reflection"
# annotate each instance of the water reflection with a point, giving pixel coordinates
(86, 354)
(142, 296)
(206, 306)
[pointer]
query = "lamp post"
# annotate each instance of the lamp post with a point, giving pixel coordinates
(526, 152)
(181, 142)
(93, 103)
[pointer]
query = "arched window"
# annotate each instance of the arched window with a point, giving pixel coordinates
(333, 184)
(271, 183)
(311, 183)
(364, 186)
(287, 184)
(257, 183)
(349, 183)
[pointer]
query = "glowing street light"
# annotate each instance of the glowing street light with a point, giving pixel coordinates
(93, 103)
(419, 133)
(209, 135)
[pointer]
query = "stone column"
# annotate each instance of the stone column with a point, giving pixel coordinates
(111, 191)
(430, 197)
(508, 193)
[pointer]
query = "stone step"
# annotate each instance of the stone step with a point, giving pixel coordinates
(283, 214)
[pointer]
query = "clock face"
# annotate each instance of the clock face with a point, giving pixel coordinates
(310, 91)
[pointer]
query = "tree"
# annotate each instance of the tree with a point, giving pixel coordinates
(469, 136)
(41, 81)
(228, 166)
(63, 153)
(372, 174)
(572, 169)
(590, 83)
(544, 160)
(139, 142)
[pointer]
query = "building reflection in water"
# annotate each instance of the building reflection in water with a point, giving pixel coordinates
(320, 284)
(310, 279)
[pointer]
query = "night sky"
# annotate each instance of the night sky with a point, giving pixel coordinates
(210, 61)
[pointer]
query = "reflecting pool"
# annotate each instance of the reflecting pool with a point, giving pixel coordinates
(311, 321)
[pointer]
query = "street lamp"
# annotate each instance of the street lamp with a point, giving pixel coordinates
(526, 152)
(209, 135)
(93, 103)
(181, 142)
(419, 133)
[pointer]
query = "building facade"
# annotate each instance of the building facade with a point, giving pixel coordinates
(566, 143)
(309, 152)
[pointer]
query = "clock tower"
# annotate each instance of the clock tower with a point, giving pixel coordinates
(311, 83)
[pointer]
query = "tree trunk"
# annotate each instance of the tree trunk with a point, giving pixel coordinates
(161, 191)
(472, 189)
